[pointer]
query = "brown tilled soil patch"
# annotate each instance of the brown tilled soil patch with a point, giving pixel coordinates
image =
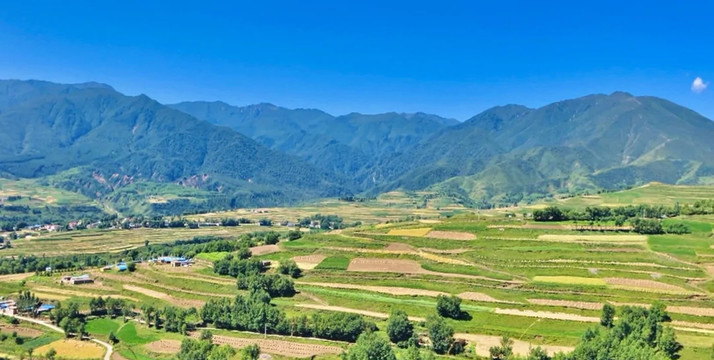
(164, 346)
(548, 315)
(567, 303)
(22, 331)
(374, 314)
(308, 262)
(403, 266)
(522, 348)
(386, 265)
(445, 252)
(277, 347)
(264, 250)
(117, 356)
(645, 284)
(691, 310)
(450, 235)
(399, 247)
(474, 296)
(76, 291)
(618, 250)
(380, 289)
(15, 277)
(185, 303)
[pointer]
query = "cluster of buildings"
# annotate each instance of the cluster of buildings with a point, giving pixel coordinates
(8, 307)
(176, 261)
(77, 280)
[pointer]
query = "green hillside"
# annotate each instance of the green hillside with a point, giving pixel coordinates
(93, 140)
(352, 145)
(509, 153)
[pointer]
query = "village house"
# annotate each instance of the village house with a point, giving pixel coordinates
(8, 307)
(77, 280)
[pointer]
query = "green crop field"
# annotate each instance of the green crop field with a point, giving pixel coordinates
(541, 285)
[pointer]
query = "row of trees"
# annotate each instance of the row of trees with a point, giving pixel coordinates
(643, 218)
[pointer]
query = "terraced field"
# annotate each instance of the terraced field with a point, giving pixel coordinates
(538, 285)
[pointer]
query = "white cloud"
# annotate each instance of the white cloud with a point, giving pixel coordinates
(698, 85)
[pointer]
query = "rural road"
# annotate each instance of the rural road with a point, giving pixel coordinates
(109, 348)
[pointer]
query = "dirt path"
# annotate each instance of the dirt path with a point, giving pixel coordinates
(522, 348)
(373, 314)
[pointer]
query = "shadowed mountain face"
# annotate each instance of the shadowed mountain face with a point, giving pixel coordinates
(95, 140)
(352, 145)
(91, 139)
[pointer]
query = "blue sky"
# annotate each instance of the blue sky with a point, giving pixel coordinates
(453, 58)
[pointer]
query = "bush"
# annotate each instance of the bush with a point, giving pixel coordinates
(294, 235)
(371, 346)
(399, 329)
(449, 306)
(440, 333)
(289, 267)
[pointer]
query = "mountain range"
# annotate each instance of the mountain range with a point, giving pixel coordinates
(128, 150)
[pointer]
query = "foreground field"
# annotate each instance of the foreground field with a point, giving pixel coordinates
(537, 285)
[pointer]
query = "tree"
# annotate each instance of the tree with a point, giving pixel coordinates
(265, 222)
(113, 338)
(51, 354)
(251, 352)
(399, 329)
(272, 238)
(131, 266)
(371, 346)
(440, 333)
(289, 267)
(503, 351)
(537, 353)
(608, 315)
(294, 235)
(449, 306)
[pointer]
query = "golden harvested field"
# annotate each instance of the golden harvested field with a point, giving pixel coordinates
(418, 232)
(73, 349)
(570, 280)
(451, 235)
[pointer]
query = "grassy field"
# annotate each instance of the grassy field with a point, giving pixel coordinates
(540, 285)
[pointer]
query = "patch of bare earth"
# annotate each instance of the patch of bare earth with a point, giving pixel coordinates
(374, 314)
(277, 347)
(445, 252)
(403, 266)
(547, 315)
(399, 247)
(185, 303)
(474, 296)
(485, 342)
(15, 277)
(399, 291)
(567, 303)
(164, 346)
(264, 250)
(308, 262)
(117, 356)
(22, 331)
(450, 235)
(644, 284)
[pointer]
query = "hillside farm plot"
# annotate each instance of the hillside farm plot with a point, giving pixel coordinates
(417, 232)
(522, 348)
(185, 303)
(593, 238)
(264, 250)
(570, 280)
(278, 347)
(73, 349)
(308, 262)
(645, 285)
(451, 235)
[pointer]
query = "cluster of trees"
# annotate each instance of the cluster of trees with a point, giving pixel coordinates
(700, 207)
(110, 306)
(255, 313)
(274, 284)
(645, 219)
(69, 318)
(204, 349)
